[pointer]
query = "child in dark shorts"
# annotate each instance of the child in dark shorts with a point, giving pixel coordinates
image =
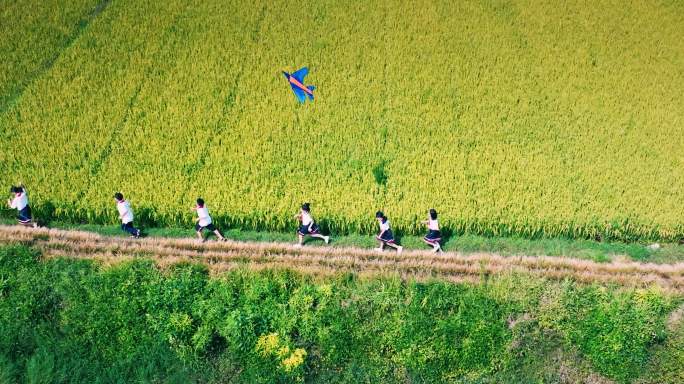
(307, 226)
(385, 237)
(204, 221)
(434, 236)
(21, 204)
(126, 215)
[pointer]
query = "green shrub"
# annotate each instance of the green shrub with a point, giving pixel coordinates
(74, 321)
(614, 328)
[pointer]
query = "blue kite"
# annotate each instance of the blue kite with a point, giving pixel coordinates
(296, 81)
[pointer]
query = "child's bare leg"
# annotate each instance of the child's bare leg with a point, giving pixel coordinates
(301, 239)
(322, 237)
(199, 235)
(399, 248)
(219, 235)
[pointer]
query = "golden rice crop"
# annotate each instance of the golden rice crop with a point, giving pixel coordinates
(32, 33)
(507, 117)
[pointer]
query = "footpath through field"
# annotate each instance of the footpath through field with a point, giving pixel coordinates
(421, 265)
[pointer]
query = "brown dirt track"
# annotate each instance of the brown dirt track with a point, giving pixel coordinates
(421, 265)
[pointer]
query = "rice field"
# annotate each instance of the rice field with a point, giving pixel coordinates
(508, 117)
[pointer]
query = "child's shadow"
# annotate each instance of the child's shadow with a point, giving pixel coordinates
(447, 234)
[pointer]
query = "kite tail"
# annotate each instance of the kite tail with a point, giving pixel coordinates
(311, 88)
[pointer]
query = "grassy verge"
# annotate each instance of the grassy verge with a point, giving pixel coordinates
(580, 249)
(66, 320)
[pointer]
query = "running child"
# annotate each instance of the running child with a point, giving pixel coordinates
(385, 237)
(307, 225)
(21, 204)
(204, 221)
(433, 236)
(126, 215)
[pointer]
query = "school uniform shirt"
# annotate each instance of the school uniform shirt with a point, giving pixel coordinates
(433, 234)
(306, 219)
(204, 218)
(20, 201)
(125, 212)
(385, 232)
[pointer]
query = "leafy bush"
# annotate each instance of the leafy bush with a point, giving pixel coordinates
(68, 320)
(613, 328)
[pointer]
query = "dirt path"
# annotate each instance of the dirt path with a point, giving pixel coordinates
(422, 265)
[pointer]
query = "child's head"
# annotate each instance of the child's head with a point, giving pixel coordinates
(380, 216)
(433, 214)
(200, 202)
(118, 196)
(306, 207)
(14, 189)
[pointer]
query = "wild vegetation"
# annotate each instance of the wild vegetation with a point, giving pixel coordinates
(69, 320)
(508, 117)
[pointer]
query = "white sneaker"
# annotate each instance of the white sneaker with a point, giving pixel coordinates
(327, 239)
(400, 249)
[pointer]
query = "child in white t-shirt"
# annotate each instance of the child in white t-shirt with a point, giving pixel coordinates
(385, 237)
(433, 236)
(21, 204)
(204, 221)
(126, 215)
(307, 225)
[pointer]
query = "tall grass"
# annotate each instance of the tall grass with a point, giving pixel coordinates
(33, 35)
(510, 118)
